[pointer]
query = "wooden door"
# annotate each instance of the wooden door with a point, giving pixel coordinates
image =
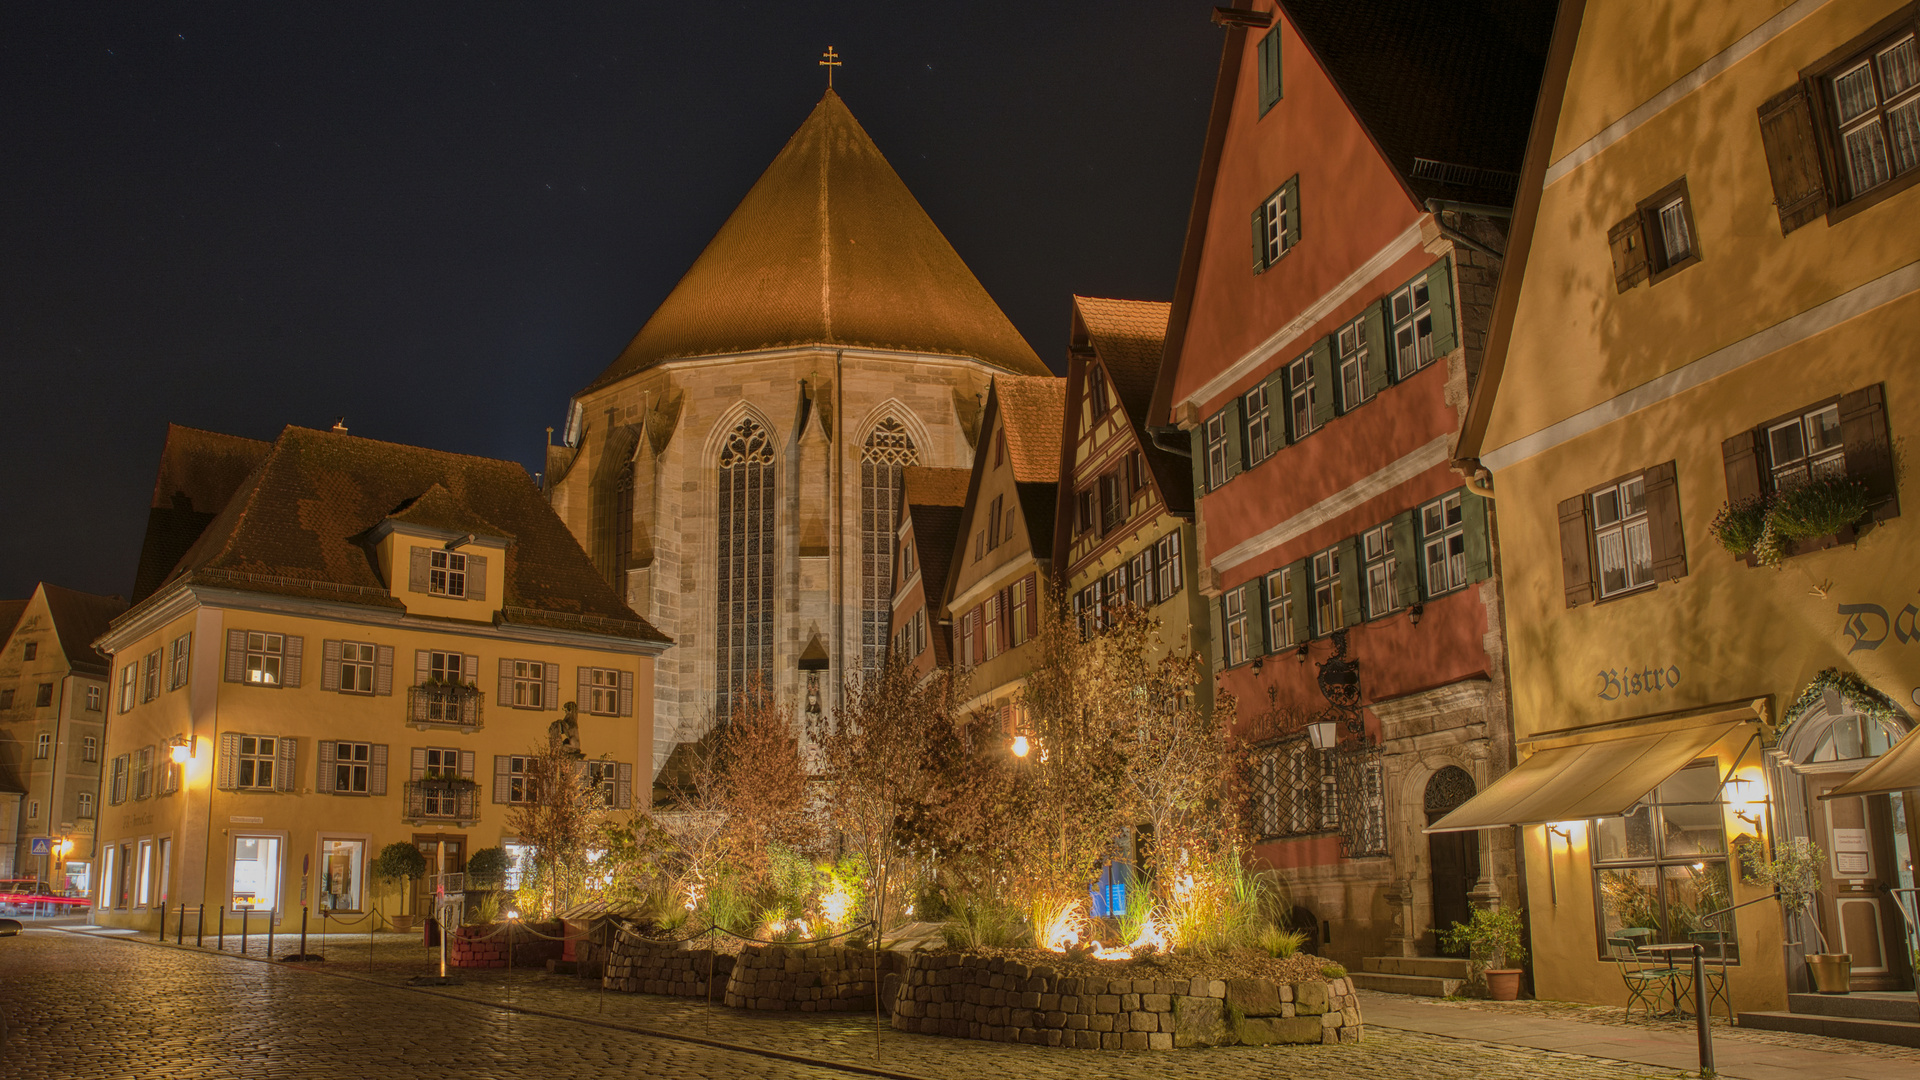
(1857, 836)
(431, 845)
(1454, 858)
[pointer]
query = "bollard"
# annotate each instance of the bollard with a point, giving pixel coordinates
(180, 928)
(1703, 1025)
(245, 913)
(269, 933)
(200, 926)
(303, 930)
(222, 927)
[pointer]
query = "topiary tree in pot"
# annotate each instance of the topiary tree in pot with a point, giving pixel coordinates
(399, 862)
(1491, 937)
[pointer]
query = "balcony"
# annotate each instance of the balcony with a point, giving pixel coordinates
(444, 705)
(449, 800)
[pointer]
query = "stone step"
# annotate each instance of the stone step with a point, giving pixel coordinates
(1890, 1032)
(1869, 1005)
(1432, 967)
(1422, 985)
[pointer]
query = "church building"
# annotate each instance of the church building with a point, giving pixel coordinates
(736, 471)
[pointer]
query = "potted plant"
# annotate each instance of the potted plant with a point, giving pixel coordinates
(1794, 874)
(1491, 937)
(399, 862)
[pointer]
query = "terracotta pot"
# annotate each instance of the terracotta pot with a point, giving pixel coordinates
(1832, 972)
(1503, 984)
(401, 923)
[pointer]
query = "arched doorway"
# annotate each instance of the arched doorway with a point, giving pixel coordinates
(1453, 857)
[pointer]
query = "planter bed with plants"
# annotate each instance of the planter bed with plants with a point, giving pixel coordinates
(484, 945)
(1156, 1003)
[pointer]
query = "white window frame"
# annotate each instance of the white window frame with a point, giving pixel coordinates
(1168, 565)
(278, 869)
(604, 777)
(1259, 424)
(1216, 439)
(143, 772)
(990, 625)
(1383, 567)
(129, 686)
(1676, 240)
(1820, 425)
(1301, 393)
(1280, 609)
(360, 871)
(1329, 592)
(442, 763)
(529, 684)
(85, 808)
(358, 660)
(266, 657)
(353, 768)
(43, 746)
(93, 699)
(1275, 216)
(89, 748)
(603, 692)
(1622, 532)
(179, 661)
(1875, 118)
(1234, 612)
(1016, 615)
(447, 574)
(256, 762)
(1411, 310)
(143, 873)
(1444, 534)
(1351, 344)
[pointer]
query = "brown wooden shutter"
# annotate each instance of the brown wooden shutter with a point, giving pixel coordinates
(1793, 157)
(476, 577)
(323, 755)
(584, 691)
(502, 779)
(422, 666)
(552, 672)
(329, 664)
(1742, 459)
(626, 693)
(506, 683)
(236, 656)
(1869, 450)
(283, 778)
(419, 569)
(383, 670)
(1663, 523)
(623, 786)
(290, 661)
(1628, 240)
(1033, 605)
(1576, 550)
(377, 770)
(229, 761)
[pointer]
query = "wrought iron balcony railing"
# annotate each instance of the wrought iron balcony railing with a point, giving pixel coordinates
(444, 705)
(442, 799)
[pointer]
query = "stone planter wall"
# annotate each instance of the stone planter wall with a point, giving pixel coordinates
(468, 950)
(807, 978)
(1005, 1001)
(639, 965)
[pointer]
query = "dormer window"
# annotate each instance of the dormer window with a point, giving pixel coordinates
(449, 575)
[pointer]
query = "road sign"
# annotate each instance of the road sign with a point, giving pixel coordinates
(43, 845)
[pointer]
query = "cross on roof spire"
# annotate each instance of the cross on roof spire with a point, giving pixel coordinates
(829, 60)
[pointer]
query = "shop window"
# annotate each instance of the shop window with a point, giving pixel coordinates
(256, 873)
(342, 863)
(1662, 870)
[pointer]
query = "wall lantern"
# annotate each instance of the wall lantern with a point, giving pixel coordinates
(1258, 663)
(1323, 734)
(1300, 653)
(1414, 613)
(1020, 746)
(181, 748)
(1563, 830)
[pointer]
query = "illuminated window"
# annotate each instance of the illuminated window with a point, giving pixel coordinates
(1328, 592)
(1376, 550)
(1442, 532)
(744, 639)
(356, 667)
(341, 866)
(1412, 326)
(264, 653)
(256, 873)
(529, 684)
(888, 451)
(602, 692)
(129, 685)
(1622, 536)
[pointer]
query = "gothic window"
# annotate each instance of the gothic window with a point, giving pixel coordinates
(888, 451)
(745, 631)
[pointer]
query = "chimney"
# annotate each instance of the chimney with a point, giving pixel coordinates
(340, 424)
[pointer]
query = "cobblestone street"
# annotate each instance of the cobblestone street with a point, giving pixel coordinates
(191, 1013)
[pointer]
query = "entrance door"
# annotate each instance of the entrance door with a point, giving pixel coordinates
(1861, 839)
(431, 845)
(1455, 856)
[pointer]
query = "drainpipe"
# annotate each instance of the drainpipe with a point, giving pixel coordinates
(1437, 207)
(1179, 443)
(1479, 477)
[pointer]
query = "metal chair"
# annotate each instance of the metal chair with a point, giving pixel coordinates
(1647, 986)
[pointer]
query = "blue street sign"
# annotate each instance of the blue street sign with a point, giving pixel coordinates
(43, 845)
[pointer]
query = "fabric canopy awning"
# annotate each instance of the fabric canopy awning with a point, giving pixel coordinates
(1571, 783)
(1897, 770)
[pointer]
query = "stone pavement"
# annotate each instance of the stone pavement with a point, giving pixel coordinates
(85, 1006)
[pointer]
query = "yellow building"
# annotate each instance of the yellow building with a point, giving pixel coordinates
(1002, 564)
(362, 646)
(1709, 302)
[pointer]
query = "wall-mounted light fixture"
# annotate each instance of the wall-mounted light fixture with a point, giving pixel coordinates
(1020, 746)
(181, 748)
(1414, 613)
(1258, 663)
(1562, 830)
(1323, 734)
(1300, 653)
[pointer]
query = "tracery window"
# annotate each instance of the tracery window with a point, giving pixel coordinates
(888, 451)
(745, 631)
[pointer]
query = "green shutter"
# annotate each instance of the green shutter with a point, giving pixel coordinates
(1290, 194)
(1375, 325)
(1277, 410)
(1260, 237)
(1353, 581)
(1406, 555)
(1300, 623)
(1199, 437)
(1255, 600)
(1321, 361)
(1236, 437)
(1219, 619)
(1473, 517)
(1269, 57)
(1440, 298)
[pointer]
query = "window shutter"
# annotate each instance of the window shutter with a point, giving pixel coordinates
(1374, 325)
(1299, 626)
(329, 664)
(236, 656)
(1353, 580)
(1260, 238)
(466, 764)
(419, 569)
(419, 762)
(1863, 432)
(323, 754)
(1406, 570)
(377, 770)
(1320, 359)
(1268, 55)
(502, 779)
(584, 690)
(1477, 531)
(1446, 335)
(1198, 438)
(1663, 523)
(1628, 241)
(290, 662)
(283, 777)
(1290, 198)
(978, 633)
(470, 670)
(422, 667)
(1576, 550)
(553, 688)
(1278, 410)
(1793, 157)
(383, 670)
(1741, 455)
(229, 761)
(476, 577)
(506, 683)
(626, 693)
(1216, 615)
(1236, 437)
(1255, 602)
(1033, 605)
(623, 786)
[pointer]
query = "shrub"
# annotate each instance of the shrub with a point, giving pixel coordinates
(1333, 971)
(485, 909)
(1279, 943)
(1739, 526)
(399, 861)
(487, 868)
(981, 923)
(1819, 507)
(1491, 937)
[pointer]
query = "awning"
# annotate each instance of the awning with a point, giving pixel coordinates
(1571, 783)
(1897, 770)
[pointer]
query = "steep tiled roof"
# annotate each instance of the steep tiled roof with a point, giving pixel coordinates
(437, 508)
(80, 618)
(10, 612)
(928, 485)
(829, 247)
(1451, 83)
(1033, 408)
(300, 524)
(936, 532)
(1128, 336)
(199, 471)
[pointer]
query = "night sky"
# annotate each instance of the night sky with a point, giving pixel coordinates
(439, 221)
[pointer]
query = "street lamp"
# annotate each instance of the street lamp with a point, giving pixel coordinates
(1020, 746)
(1323, 734)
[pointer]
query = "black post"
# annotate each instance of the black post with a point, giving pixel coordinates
(1703, 1024)
(180, 928)
(200, 926)
(221, 926)
(269, 933)
(244, 912)
(303, 931)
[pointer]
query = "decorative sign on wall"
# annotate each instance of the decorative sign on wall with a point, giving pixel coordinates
(1866, 626)
(1617, 683)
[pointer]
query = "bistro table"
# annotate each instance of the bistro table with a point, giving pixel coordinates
(1675, 976)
